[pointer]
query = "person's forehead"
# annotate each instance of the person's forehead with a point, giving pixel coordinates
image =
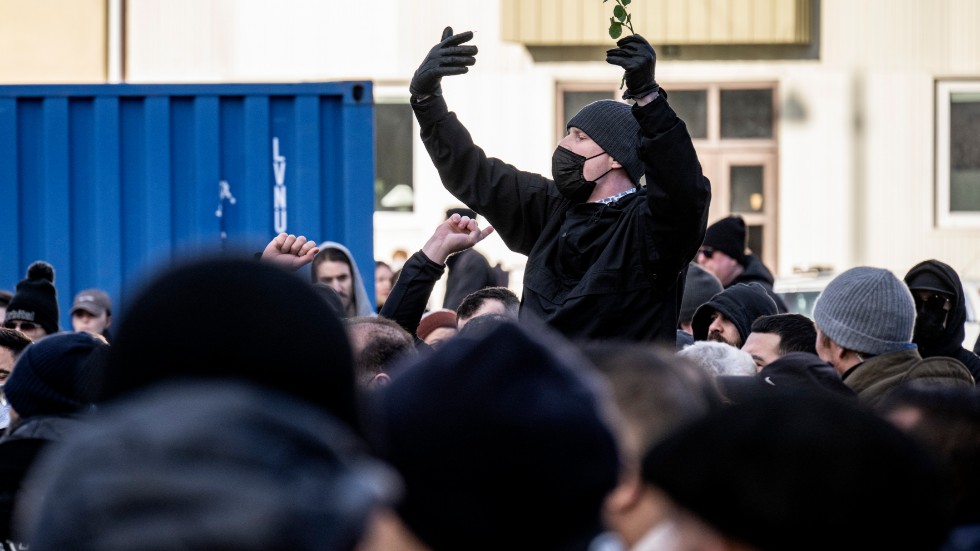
(761, 341)
(334, 267)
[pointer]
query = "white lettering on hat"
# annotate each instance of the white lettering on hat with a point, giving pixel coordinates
(20, 315)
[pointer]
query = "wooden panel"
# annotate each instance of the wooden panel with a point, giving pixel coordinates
(47, 41)
(680, 22)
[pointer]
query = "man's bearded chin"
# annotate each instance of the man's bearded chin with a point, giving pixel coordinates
(717, 337)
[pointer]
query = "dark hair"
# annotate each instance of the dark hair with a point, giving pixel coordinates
(386, 342)
(333, 255)
(797, 333)
(473, 301)
(13, 340)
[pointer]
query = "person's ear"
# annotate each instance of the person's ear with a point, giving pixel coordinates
(379, 380)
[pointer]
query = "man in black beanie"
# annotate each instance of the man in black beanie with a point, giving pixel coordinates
(724, 253)
(840, 478)
(258, 323)
(607, 255)
(33, 310)
(52, 388)
(503, 441)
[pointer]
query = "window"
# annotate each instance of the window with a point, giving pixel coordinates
(393, 131)
(958, 154)
(733, 126)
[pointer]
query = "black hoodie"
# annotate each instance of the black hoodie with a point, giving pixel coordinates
(741, 304)
(950, 341)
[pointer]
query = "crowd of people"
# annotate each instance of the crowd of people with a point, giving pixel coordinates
(646, 391)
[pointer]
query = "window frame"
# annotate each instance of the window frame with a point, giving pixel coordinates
(946, 218)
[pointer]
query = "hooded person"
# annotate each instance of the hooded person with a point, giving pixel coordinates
(196, 465)
(740, 305)
(736, 264)
(259, 323)
(34, 307)
(503, 440)
(940, 313)
(800, 471)
(334, 265)
(52, 390)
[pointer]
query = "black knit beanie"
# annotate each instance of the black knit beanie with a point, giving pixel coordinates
(611, 124)
(833, 455)
(728, 236)
(503, 434)
(36, 298)
(56, 375)
(257, 323)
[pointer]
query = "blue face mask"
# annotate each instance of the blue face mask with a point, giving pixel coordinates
(567, 168)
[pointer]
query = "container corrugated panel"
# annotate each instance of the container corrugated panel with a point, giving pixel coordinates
(110, 183)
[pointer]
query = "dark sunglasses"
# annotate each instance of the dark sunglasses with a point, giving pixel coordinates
(21, 325)
(708, 252)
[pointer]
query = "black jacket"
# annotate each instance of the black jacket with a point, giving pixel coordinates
(410, 294)
(594, 271)
(756, 272)
(950, 341)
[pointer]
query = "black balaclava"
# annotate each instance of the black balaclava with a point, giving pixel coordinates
(937, 332)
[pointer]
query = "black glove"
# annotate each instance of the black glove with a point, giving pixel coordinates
(637, 57)
(445, 58)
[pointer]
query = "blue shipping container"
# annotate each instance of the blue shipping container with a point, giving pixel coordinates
(110, 183)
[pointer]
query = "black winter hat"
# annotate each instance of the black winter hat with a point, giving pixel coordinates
(57, 375)
(728, 236)
(611, 124)
(741, 304)
(832, 463)
(219, 465)
(700, 286)
(502, 435)
(36, 298)
(256, 323)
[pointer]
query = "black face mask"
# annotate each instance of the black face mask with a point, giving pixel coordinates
(930, 321)
(567, 169)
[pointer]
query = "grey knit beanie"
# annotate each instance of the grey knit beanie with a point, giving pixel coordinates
(611, 124)
(866, 310)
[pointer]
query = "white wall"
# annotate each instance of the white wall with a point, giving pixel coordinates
(856, 144)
